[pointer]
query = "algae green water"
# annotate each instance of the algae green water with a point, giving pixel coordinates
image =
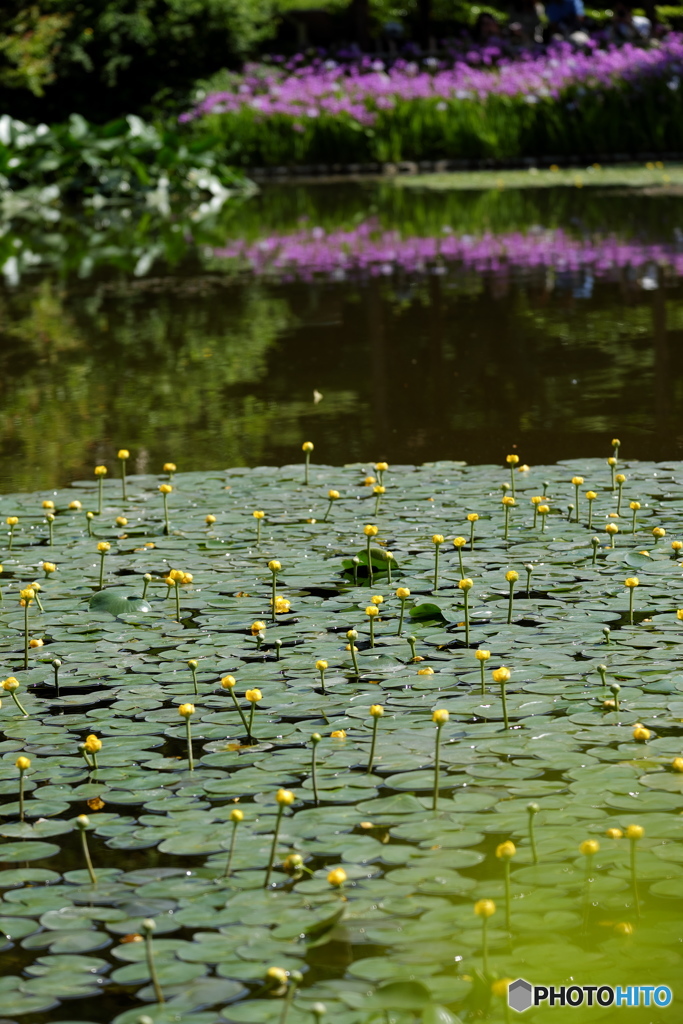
(377, 875)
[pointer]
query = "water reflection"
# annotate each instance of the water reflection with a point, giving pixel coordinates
(425, 343)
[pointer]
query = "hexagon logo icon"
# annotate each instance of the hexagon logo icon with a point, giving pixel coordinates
(520, 995)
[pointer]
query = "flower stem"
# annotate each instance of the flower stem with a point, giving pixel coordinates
(372, 630)
(102, 557)
(177, 600)
(306, 466)
(231, 851)
(88, 860)
(436, 568)
(400, 620)
(151, 967)
(258, 532)
(510, 600)
(193, 670)
(314, 774)
(483, 678)
(373, 744)
(631, 592)
(354, 658)
(532, 811)
(250, 733)
(576, 502)
(505, 707)
(21, 794)
(274, 846)
(437, 758)
(370, 575)
(241, 713)
(26, 607)
(273, 596)
(19, 704)
(100, 490)
(466, 597)
(124, 493)
(507, 521)
(167, 526)
(472, 535)
(590, 515)
(462, 568)
(188, 729)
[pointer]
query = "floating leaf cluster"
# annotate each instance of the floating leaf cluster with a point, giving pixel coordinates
(287, 751)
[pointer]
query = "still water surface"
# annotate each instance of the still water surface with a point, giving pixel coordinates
(435, 325)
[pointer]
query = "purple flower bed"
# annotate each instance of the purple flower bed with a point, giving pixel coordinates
(368, 250)
(358, 92)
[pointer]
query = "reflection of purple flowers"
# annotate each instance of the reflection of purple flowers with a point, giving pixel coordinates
(357, 92)
(369, 250)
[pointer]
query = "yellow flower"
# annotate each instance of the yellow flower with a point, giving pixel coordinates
(321, 665)
(381, 467)
(187, 577)
(177, 575)
(612, 528)
(378, 489)
(440, 716)
(459, 542)
(634, 505)
(285, 797)
(624, 928)
(100, 470)
(35, 643)
(236, 814)
(501, 986)
(370, 530)
(277, 974)
(677, 764)
(103, 546)
(536, 500)
(274, 565)
(614, 833)
(437, 538)
(543, 510)
(512, 576)
(92, 743)
(307, 446)
(253, 696)
(75, 506)
(369, 481)
(10, 685)
(679, 614)
(611, 461)
(640, 733)
(591, 495)
(165, 488)
(169, 467)
(615, 442)
(49, 504)
(337, 877)
(632, 581)
(472, 517)
(333, 495)
(372, 610)
(506, 850)
(482, 655)
(123, 453)
(121, 521)
(588, 847)
(658, 532)
(27, 594)
(257, 627)
(83, 821)
(427, 671)
(186, 710)
(577, 481)
(338, 734)
(512, 460)
(376, 710)
(282, 605)
(501, 675)
(508, 500)
(23, 763)
(402, 593)
(12, 520)
(484, 908)
(210, 520)
(49, 567)
(227, 682)
(466, 583)
(620, 478)
(258, 514)
(676, 545)
(635, 832)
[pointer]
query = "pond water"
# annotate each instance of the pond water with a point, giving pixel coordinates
(433, 324)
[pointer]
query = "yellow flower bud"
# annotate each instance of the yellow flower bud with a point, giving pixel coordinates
(321, 665)
(512, 460)
(83, 821)
(624, 928)
(123, 453)
(274, 565)
(500, 987)
(376, 710)
(186, 710)
(482, 655)
(169, 467)
(258, 514)
(338, 734)
(277, 974)
(285, 797)
(635, 832)
(440, 716)
(634, 505)
(227, 682)
(402, 593)
(589, 847)
(369, 481)
(677, 764)
(577, 480)
(437, 538)
(506, 850)
(307, 446)
(614, 833)
(543, 510)
(210, 520)
(100, 470)
(632, 581)
(257, 627)
(165, 488)
(466, 583)
(352, 634)
(378, 489)
(253, 696)
(92, 743)
(35, 643)
(23, 763)
(611, 461)
(459, 542)
(236, 815)
(591, 495)
(612, 528)
(333, 495)
(501, 675)
(10, 685)
(659, 532)
(620, 478)
(512, 576)
(75, 506)
(49, 505)
(27, 594)
(103, 546)
(370, 530)
(121, 521)
(427, 671)
(381, 467)
(484, 908)
(472, 517)
(372, 610)
(337, 877)
(508, 500)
